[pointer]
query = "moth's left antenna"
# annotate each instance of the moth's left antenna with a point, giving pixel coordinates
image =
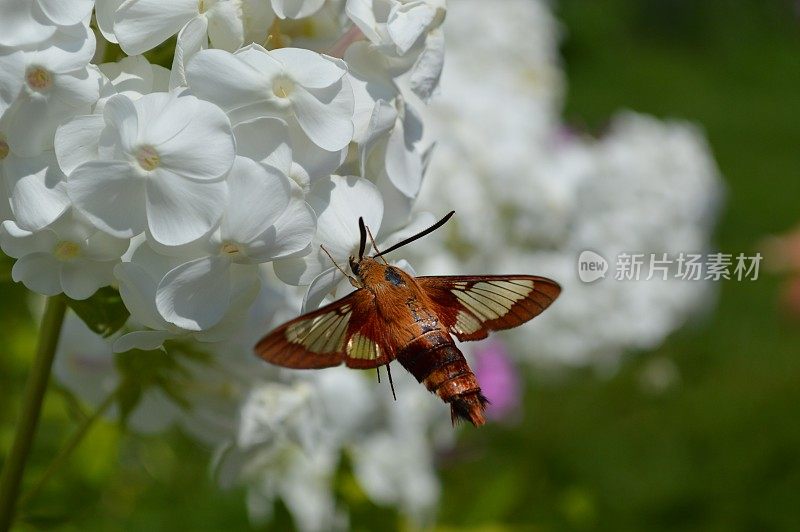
(363, 245)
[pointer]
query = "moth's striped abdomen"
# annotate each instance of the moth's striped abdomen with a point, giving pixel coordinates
(434, 360)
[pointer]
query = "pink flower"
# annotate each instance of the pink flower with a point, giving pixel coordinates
(498, 379)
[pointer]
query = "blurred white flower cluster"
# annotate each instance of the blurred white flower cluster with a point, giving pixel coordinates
(202, 193)
(531, 194)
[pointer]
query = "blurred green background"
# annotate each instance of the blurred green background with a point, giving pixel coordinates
(719, 449)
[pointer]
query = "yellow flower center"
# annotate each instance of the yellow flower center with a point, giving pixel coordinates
(201, 6)
(282, 86)
(67, 250)
(148, 158)
(231, 249)
(38, 79)
(4, 149)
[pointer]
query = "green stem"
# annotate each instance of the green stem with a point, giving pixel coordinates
(66, 451)
(31, 409)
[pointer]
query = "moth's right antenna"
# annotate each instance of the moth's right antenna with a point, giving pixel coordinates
(363, 245)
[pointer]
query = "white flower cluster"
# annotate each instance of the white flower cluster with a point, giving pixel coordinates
(531, 195)
(177, 185)
(203, 191)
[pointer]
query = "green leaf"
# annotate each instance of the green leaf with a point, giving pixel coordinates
(104, 312)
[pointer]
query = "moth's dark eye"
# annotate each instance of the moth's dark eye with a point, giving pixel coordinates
(354, 265)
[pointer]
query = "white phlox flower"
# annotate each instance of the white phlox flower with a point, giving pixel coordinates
(391, 147)
(290, 437)
(34, 187)
(134, 76)
(306, 89)
(161, 164)
(45, 85)
(279, 452)
(288, 445)
(69, 256)
(141, 274)
(403, 39)
(255, 228)
(532, 196)
(28, 22)
(270, 142)
(140, 25)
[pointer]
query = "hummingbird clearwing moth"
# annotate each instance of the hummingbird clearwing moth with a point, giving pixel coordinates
(395, 316)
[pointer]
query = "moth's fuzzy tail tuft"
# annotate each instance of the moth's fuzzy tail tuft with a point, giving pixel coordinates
(469, 407)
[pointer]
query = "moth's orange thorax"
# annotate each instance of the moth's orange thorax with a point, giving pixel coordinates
(375, 275)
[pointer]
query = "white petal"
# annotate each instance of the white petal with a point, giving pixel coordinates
(105, 10)
(321, 287)
(39, 272)
(258, 196)
(326, 115)
(144, 340)
(110, 195)
(12, 72)
(339, 203)
(162, 116)
(141, 25)
(310, 69)
(205, 149)
(180, 210)
(121, 115)
(226, 80)
(315, 162)
(403, 161)
(296, 8)
(76, 142)
(36, 189)
(407, 22)
(104, 247)
(191, 39)
(17, 242)
(265, 140)
(82, 279)
(21, 26)
(225, 26)
(378, 120)
(397, 206)
(138, 291)
(245, 287)
(78, 90)
(427, 70)
(66, 12)
(134, 76)
(69, 49)
(195, 295)
(301, 271)
(31, 124)
(360, 12)
(291, 235)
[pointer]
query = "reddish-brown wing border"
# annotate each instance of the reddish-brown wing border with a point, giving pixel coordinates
(358, 308)
(506, 308)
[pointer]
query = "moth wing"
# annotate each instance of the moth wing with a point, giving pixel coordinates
(472, 306)
(346, 330)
